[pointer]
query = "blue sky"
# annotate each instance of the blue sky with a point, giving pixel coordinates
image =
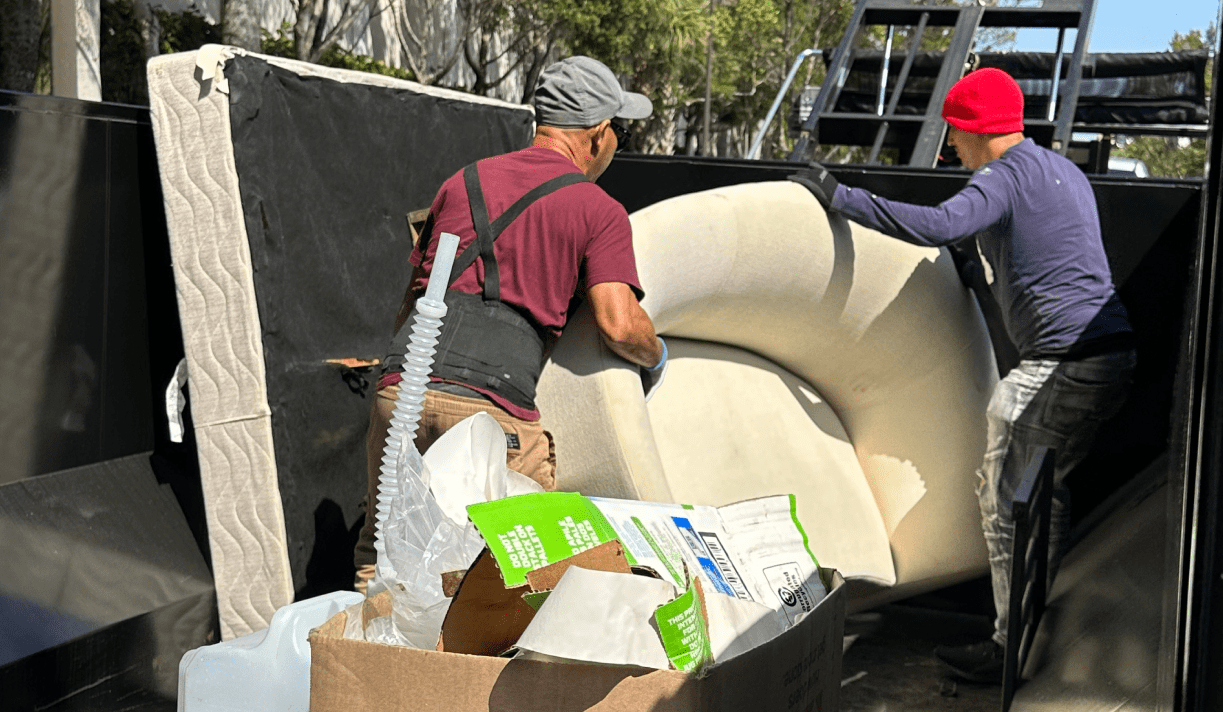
(1131, 25)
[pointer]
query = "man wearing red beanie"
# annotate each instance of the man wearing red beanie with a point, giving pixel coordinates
(1035, 219)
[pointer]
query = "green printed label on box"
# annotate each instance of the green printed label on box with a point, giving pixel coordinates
(670, 558)
(799, 526)
(533, 530)
(684, 632)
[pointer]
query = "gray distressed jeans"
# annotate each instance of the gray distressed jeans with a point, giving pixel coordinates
(1059, 404)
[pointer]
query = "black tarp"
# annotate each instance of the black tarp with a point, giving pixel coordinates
(327, 172)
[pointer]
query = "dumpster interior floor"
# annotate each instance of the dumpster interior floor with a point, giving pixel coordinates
(889, 665)
(1096, 649)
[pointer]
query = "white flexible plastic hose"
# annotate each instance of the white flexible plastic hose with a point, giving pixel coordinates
(400, 454)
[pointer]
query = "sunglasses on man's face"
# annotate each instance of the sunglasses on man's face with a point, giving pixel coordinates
(622, 136)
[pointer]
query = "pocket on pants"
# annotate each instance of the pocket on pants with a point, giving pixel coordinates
(1085, 393)
(534, 456)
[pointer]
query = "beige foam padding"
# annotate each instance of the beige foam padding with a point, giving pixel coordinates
(881, 330)
(753, 429)
(221, 338)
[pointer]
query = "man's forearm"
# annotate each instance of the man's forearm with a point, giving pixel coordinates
(624, 325)
(960, 216)
(643, 349)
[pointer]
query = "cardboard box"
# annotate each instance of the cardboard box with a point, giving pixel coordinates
(799, 671)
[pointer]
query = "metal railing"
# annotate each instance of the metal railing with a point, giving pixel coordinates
(754, 151)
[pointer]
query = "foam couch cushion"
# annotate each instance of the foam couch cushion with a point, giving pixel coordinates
(796, 308)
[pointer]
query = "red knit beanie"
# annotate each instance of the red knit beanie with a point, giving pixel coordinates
(987, 101)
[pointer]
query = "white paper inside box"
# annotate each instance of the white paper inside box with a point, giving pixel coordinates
(798, 671)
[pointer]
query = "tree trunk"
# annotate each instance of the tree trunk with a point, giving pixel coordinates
(303, 28)
(659, 134)
(239, 24)
(20, 31)
(532, 70)
(432, 39)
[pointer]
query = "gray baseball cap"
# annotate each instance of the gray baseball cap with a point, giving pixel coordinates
(579, 91)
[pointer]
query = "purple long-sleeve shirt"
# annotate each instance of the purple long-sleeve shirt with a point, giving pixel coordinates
(1034, 215)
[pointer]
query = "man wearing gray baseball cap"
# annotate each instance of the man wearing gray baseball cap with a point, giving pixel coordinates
(534, 233)
(579, 91)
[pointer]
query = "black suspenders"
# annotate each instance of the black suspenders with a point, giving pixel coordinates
(487, 232)
(495, 346)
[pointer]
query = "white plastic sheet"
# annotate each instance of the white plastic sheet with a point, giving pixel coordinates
(428, 532)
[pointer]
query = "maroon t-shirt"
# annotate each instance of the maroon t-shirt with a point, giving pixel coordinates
(562, 244)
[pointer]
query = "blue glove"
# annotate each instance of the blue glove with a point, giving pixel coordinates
(651, 378)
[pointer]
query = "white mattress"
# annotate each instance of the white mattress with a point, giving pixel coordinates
(221, 325)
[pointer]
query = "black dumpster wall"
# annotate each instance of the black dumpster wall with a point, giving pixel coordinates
(104, 582)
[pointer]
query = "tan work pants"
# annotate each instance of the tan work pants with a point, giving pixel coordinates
(535, 457)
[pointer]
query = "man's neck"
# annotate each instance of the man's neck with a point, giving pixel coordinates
(1000, 144)
(562, 144)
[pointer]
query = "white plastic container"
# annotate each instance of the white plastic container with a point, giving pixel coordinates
(268, 670)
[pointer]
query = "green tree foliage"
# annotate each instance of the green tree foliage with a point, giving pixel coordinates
(659, 44)
(747, 40)
(21, 29)
(1169, 156)
(130, 32)
(185, 32)
(284, 44)
(121, 54)
(124, 48)
(756, 42)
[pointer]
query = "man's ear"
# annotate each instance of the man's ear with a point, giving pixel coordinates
(598, 137)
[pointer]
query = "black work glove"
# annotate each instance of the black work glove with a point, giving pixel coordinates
(819, 181)
(968, 265)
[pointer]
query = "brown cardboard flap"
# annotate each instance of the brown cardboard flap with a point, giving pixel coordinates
(798, 672)
(700, 596)
(608, 556)
(377, 606)
(350, 675)
(333, 628)
(485, 617)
